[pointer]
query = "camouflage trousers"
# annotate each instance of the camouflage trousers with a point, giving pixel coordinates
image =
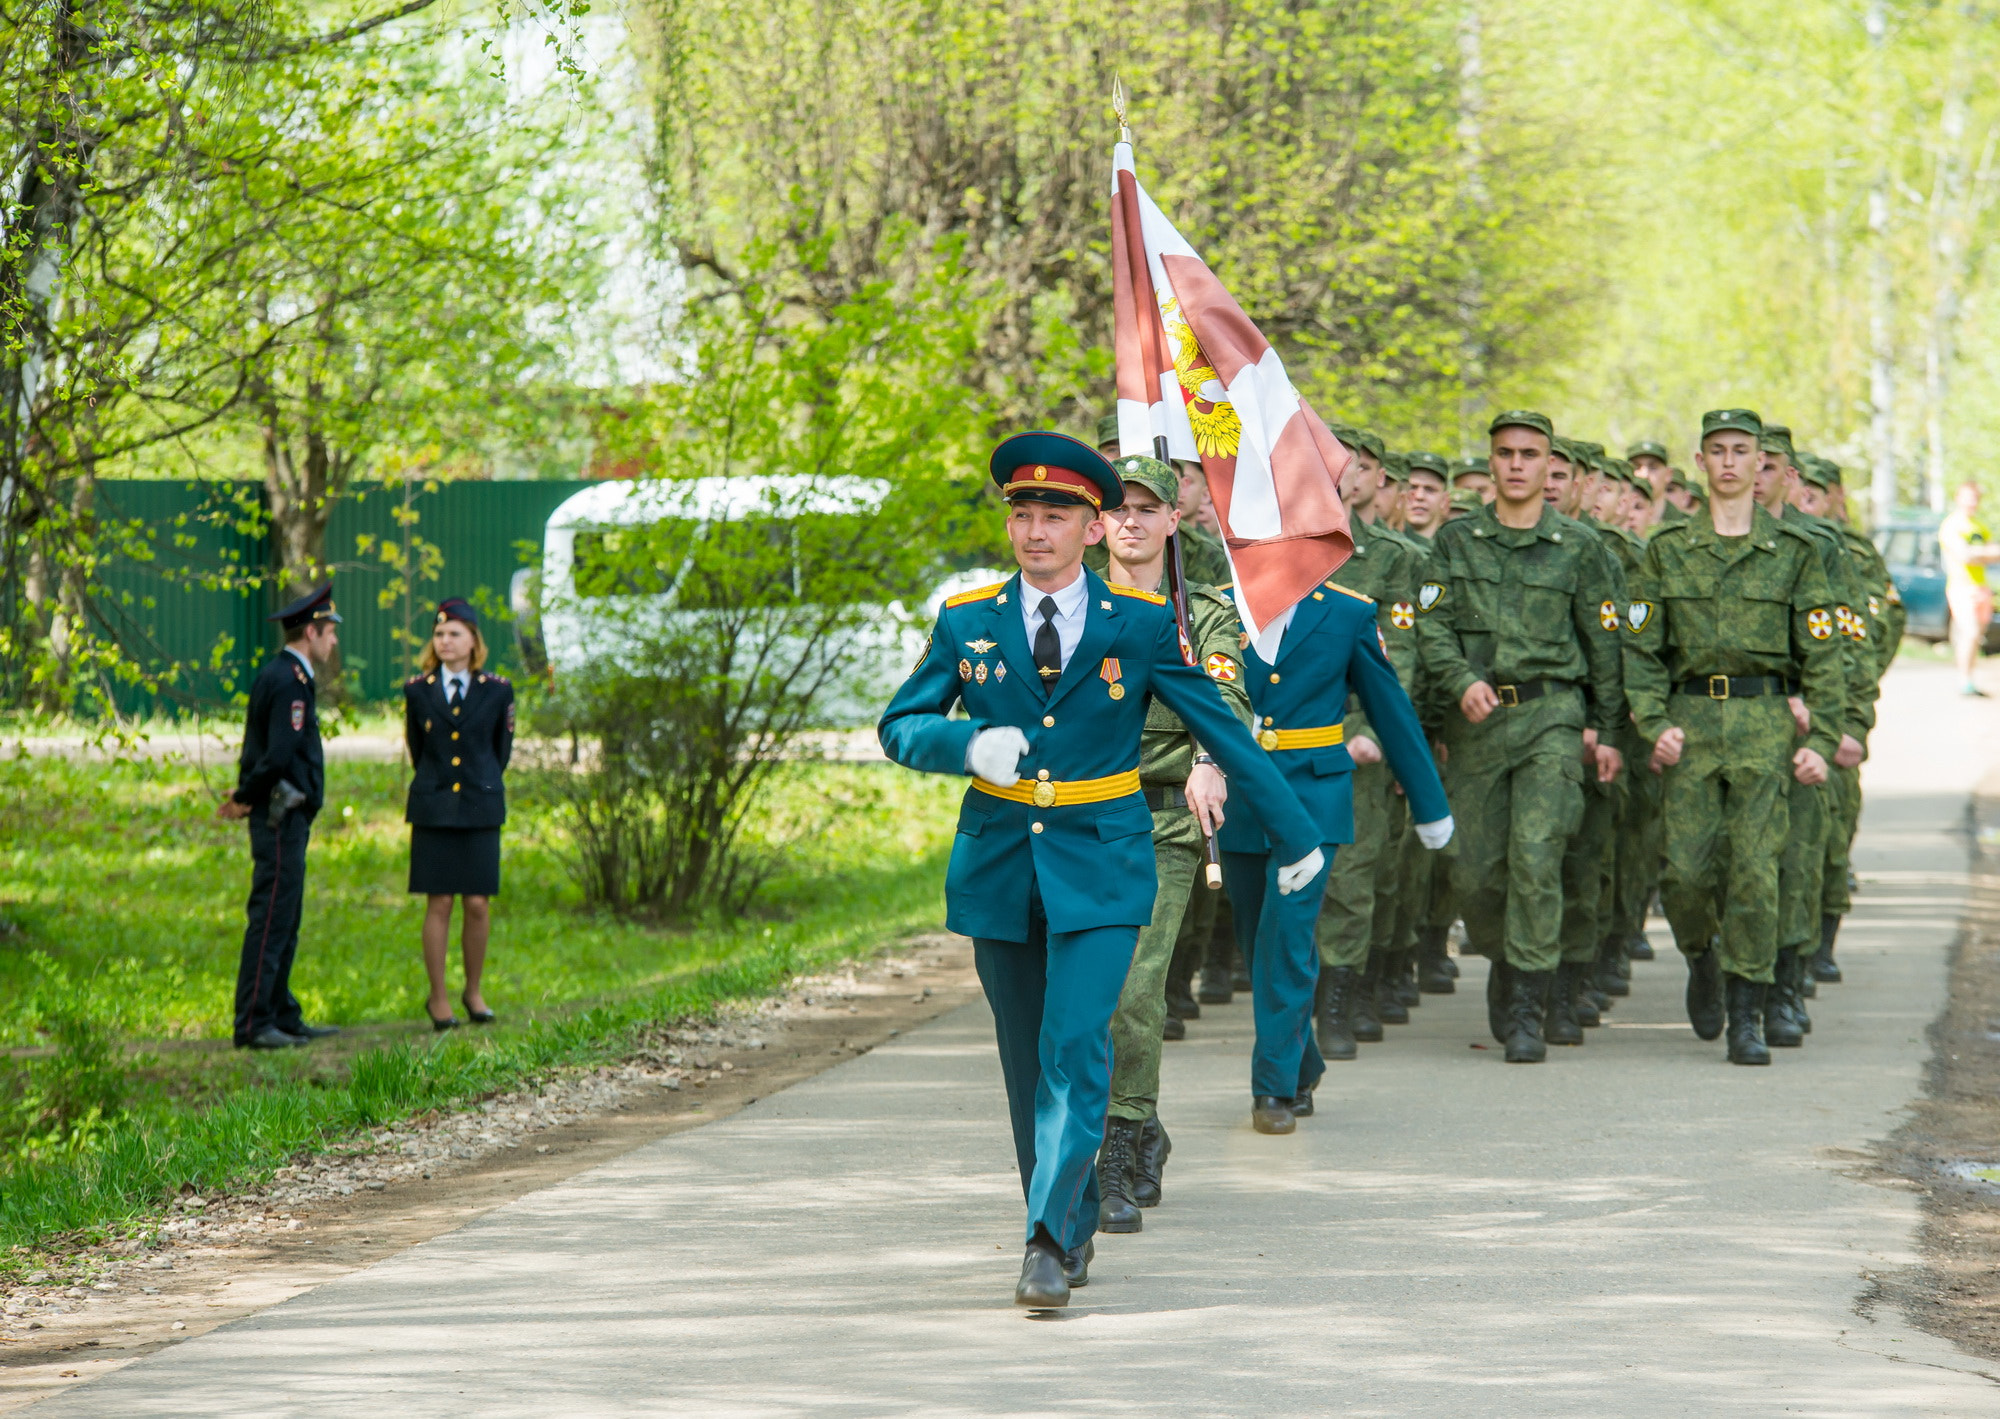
(1142, 1005)
(1357, 914)
(1516, 787)
(1637, 873)
(1844, 812)
(1726, 811)
(1589, 864)
(1802, 868)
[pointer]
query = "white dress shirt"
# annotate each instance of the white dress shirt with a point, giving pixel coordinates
(460, 678)
(1071, 607)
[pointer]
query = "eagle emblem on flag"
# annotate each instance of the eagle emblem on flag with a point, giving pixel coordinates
(1819, 625)
(1220, 667)
(1402, 615)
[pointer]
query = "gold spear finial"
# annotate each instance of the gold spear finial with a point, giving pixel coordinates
(1118, 108)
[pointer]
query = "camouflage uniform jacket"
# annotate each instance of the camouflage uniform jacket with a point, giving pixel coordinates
(1166, 749)
(1850, 606)
(1385, 568)
(1705, 605)
(1507, 605)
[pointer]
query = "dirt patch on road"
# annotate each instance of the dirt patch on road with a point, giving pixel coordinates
(1950, 1148)
(218, 1258)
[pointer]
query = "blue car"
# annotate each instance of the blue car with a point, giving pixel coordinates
(1909, 544)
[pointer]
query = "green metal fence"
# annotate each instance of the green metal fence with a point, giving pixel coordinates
(396, 552)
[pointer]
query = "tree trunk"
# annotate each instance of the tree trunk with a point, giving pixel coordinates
(1881, 289)
(1472, 291)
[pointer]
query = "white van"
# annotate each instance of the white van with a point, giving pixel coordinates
(590, 614)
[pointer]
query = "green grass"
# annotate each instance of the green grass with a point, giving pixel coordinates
(122, 904)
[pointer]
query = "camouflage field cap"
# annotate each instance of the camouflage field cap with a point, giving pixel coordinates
(1647, 448)
(1812, 469)
(1523, 419)
(1397, 466)
(1562, 448)
(1428, 463)
(1460, 466)
(1107, 430)
(1155, 477)
(1742, 420)
(1370, 440)
(1465, 500)
(1832, 472)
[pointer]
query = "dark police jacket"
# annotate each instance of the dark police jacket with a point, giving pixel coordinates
(281, 737)
(459, 758)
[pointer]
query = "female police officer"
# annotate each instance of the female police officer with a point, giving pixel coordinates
(459, 724)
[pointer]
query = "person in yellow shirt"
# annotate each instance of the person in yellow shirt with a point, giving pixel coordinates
(1968, 550)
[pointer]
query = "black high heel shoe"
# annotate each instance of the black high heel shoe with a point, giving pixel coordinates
(478, 1017)
(449, 1022)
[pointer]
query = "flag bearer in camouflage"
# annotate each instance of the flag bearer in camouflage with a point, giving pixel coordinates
(1729, 610)
(1361, 885)
(1802, 867)
(1516, 619)
(1820, 493)
(1186, 794)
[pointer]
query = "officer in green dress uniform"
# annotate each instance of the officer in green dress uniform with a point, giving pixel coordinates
(1051, 870)
(1186, 793)
(1517, 622)
(1731, 614)
(1356, 994)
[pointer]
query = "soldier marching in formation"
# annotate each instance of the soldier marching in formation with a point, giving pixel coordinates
(1623, 685)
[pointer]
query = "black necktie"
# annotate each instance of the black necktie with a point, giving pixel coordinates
(457, 695)
(1048, 645)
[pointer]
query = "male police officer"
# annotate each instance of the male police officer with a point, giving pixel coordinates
(1186, 794)
(1051, 871)
(1729, 610)
(1518, 625)
(280, 785)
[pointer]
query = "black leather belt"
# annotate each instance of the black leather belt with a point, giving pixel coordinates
(1512, 695)
(1159, 799)
(1736, 687)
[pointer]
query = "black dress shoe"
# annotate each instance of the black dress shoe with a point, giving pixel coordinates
(1302, 1103)
(449, 1022)
(271, 1037)
(1150, 1162)
(1172, 1029)
(1076, 1265)
(314, 1032)
(478, 1017)
(1269, 1114)
(1042, 1286)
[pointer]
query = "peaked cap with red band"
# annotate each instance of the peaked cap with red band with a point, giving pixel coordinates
(1055, 468)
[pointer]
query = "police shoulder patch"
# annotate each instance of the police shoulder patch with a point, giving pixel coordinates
(1429, 595)
(1638, 616)
(984, 593)
(1134, 592)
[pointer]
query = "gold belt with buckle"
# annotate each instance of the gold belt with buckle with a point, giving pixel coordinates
(1046, 793)
(1273, 740)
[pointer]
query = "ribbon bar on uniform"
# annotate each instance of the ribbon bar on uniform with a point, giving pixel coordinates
(1045, 793)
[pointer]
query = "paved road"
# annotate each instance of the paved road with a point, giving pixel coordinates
(1634, 1228)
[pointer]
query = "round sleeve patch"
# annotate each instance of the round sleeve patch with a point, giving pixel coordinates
(1220, 667)
(1402, 615)
(1819, 625)
(1607, 615)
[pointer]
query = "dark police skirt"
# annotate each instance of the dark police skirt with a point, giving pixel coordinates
(455, 862)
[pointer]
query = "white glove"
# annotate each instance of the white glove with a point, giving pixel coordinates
(1290, 879)
(1435, 835)
(993, 754)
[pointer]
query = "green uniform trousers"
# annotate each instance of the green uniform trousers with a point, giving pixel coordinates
(1142, 1005)
(1802, 868)
(1637, 874)
(1345, 931)
(1727, 814)
(1393, 919)
(1516, 788)
(1589, 862)
(1844, 809)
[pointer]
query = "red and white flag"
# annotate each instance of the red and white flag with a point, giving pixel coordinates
(1194, 370)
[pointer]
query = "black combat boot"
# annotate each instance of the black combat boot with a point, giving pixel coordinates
(1214, 988)
(1527, 1001)
(1823, 967)
(1434, 972)
(1497, 989)
(1746, 1013)
(1588, 1014)
(1116, 1211)
(1704, 993)
(1239, 974)
(1181, 1004)
(1172, 1029)
(1333, 1011)
(1389, 1006)
(1149, 1162)
(1363, 1022)
(1781, 1025)
(1613, 969)
(1403, 972)
(1560, 1025)
(1638, 947)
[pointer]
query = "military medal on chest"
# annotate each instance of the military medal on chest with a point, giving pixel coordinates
(979, 673)
(1111, 674)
